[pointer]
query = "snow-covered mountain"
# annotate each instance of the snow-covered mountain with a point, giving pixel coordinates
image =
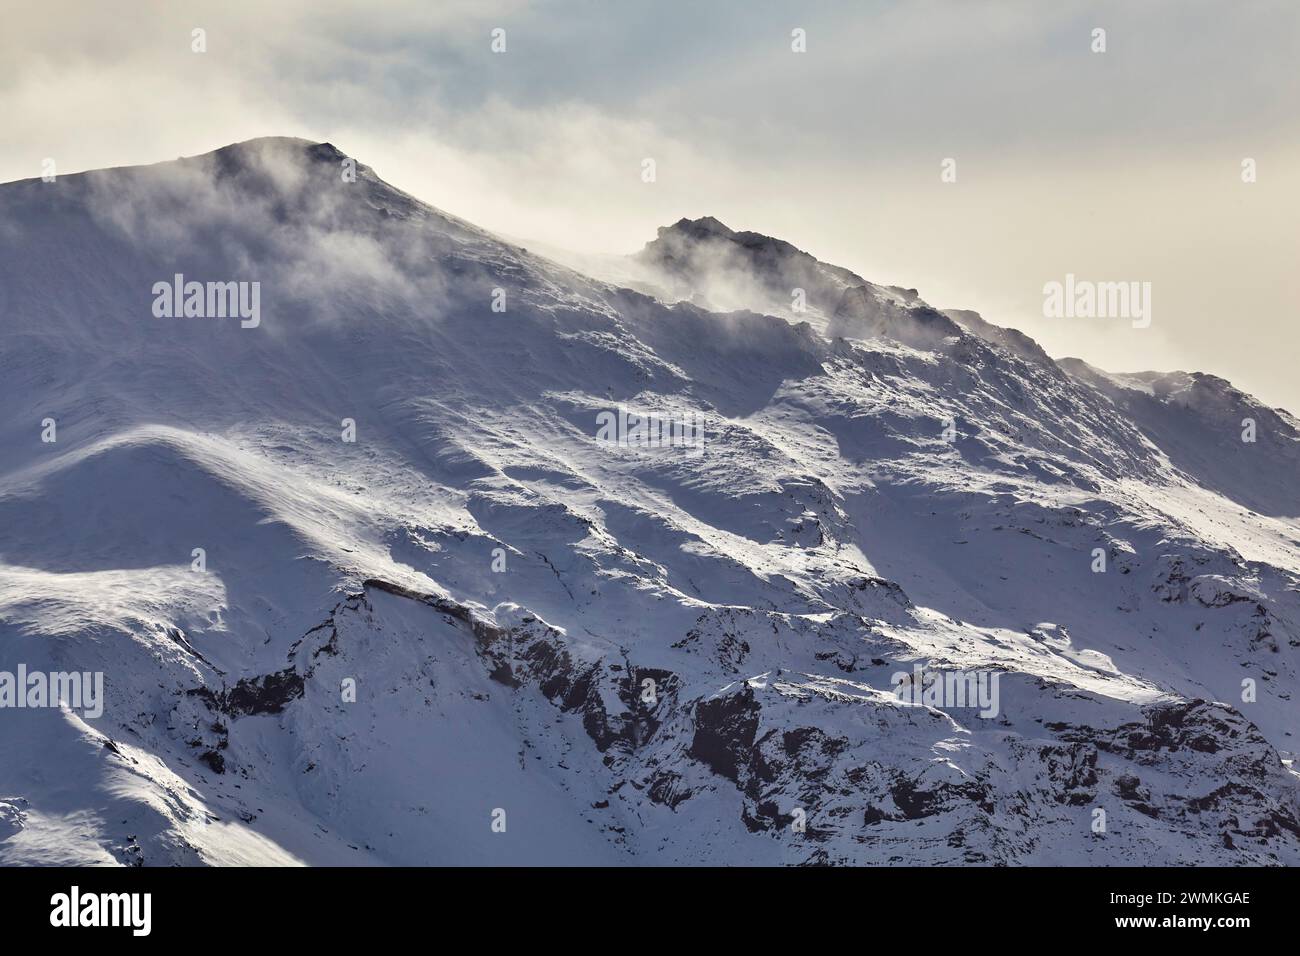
(484, 632)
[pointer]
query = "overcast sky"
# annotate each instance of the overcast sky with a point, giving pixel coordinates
(1114, 166)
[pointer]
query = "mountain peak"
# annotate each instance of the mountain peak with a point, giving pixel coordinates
(284, 144)
(706, 262)
(703, 227)
(270, 152)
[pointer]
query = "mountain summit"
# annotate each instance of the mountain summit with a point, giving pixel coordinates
(456, 555)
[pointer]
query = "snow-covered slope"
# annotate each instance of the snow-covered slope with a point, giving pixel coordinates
(565, 650)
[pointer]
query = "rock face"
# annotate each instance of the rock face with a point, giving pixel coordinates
(922, 595)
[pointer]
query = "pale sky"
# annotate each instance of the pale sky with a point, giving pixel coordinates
(1115, 166)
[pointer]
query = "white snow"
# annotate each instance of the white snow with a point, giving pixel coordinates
(828, 537)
